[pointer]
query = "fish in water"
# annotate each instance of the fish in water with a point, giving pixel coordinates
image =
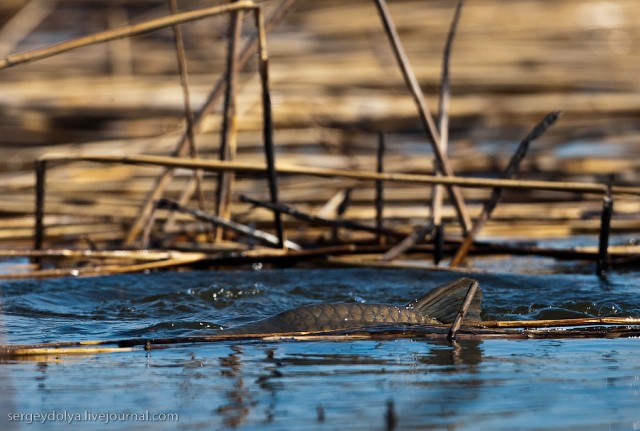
(439, 306)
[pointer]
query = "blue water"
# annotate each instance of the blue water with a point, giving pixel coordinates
(581, 384)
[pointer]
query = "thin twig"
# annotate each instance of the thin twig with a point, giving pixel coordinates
(496, 193)
(423, 111)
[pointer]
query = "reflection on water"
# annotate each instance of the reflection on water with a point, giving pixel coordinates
(358, 385)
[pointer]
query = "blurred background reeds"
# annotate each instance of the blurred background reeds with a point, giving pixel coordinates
(335, 86)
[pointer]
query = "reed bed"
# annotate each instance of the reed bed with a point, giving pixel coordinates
(194, 133)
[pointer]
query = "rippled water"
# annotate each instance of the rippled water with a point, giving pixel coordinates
(406, 384)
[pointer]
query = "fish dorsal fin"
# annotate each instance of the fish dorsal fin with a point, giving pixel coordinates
(443, 302)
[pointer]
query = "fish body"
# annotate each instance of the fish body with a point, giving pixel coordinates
(439, 306)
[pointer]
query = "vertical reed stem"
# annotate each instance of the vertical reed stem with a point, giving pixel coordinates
(228, 136)
(423, 111)
(602, 264)
(269, 148)
(40, 168)
(379, 199)
(443, 127)
(196, 182)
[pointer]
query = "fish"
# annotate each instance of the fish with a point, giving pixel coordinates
(439, 306)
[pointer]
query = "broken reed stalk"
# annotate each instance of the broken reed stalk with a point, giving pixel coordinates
(41, 178)
(510, 171)
(267, 119)
(455, 326)
(229, 129)
(264, 237)
(423, 111)
(340, 210)
(379, 196)
(602, 264)
(443, 126)
(346, 224)
(163, 180)
(408, 242)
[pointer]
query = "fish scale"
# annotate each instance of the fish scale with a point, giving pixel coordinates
(438, 306)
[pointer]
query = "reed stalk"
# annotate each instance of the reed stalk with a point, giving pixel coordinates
(122, 32)
(423, 111)
(229, 130)
(282, 169)
(511, 170)
(596, 327)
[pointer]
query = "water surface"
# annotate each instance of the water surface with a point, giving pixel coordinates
(404, 383)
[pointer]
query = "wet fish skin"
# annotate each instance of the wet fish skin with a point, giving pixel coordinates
(438, 306)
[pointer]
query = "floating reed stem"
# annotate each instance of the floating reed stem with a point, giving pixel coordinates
(55, 351)
(560, 323)
(511, 170)
(423, 111)
(176, 259)
(609, 326)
